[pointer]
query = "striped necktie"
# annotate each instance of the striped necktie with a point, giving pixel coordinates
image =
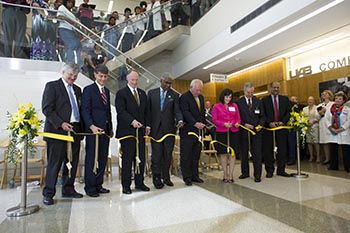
(103, 95)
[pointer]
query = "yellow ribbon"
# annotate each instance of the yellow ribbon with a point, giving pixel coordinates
(57, 136)
(274, 129)
(249, 130)
(162, 138)
(196, 135)
(232, 151)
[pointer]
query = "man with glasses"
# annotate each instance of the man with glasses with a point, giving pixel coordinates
(164, 118)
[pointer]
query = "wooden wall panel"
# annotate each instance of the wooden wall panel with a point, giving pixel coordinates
(181, 85)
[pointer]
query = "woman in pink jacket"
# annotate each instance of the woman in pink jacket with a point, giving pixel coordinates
(226, 117)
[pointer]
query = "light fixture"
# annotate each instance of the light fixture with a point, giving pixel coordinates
(275, 33)
(303, 49)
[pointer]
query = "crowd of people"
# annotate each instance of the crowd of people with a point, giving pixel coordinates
(249, 126)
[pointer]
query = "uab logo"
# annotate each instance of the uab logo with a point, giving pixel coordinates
(301, 72)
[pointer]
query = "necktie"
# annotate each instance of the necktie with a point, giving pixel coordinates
(103, 95)
(162, 98)
(198, 103)
(250, 106)
(275, 109)
(73, 103)
(136, 97)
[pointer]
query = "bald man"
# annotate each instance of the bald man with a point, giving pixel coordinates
(193, 111)
(130, 103)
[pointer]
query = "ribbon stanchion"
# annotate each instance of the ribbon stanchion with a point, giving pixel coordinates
(137, 158)
(96, 154)
(23, 209)
(69, 156)
(299, 174)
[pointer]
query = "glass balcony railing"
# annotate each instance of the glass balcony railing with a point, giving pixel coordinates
(35, 32)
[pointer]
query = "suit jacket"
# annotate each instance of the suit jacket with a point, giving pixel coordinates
(93, 110)
(128, 110)
(283, 109)
(191, 113)
(163, 122)
(57, 108)
(256, 117)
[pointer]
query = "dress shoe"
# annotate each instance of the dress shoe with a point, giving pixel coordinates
(72, 195)
(142, 188)
(127, 191)
(93, 194)
(103, 190)
(325, 162)
(48, 201)
(243, 176)
(269, 175)
(197, 180)
(257, 179)
(157, 182)
(285, 174)
(168, 182)
(290, 163)
(230, 181)
(188, 182)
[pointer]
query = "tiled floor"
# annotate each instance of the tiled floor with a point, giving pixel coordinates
(320, 203)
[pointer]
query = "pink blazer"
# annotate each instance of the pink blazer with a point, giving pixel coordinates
(221, 114)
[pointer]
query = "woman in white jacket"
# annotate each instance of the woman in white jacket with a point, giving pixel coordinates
(338, 122)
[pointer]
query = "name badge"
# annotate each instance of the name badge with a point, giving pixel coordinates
(231, 109)
(257, 111)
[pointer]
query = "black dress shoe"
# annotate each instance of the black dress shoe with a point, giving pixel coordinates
(285, 174)
(127, 191)
(48, 201)
(103, 190)
(168, 182)
(142, 188)
(197, 180)
(93, 194)
(158, 185)
(269, 175)
(188, 182)
(257, 179)
(72, 195)
(326, 162)
(243, 176)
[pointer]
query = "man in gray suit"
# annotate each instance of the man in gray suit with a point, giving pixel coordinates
(163, 118)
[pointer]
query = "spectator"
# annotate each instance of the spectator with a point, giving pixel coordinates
(129, 32)
(143, 5)
(67, 34)
(95, 57)
(14, 23)
(155, 20)
(86, 14)
(111, 35)
(139, 25)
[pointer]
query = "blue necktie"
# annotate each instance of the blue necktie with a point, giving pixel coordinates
(73, 103)
(162, 98)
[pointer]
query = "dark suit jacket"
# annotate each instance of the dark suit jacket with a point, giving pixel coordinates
(191, 113)
(128, 110)
(93, 111)
(283, 109)
(256, 117)
(163, 122)
(56, 107)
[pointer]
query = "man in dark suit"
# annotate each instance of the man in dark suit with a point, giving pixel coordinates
(96, 114)
(60, 105)
(192, 107)
(277, 113)
(131, 106)
(252, 115)
(163, 118)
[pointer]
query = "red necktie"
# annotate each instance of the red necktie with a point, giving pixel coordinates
(250, 107)
(103, 95)
(275, 109)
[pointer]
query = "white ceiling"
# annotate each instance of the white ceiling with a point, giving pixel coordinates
(333, 20)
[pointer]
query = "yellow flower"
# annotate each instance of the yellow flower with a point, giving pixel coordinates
(22, 132)
(30, 105)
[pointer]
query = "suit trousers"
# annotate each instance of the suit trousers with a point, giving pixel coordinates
(281, 157)
(161, 157)
(56, 155)
(128, 158)
(255, 150)
(334, 160)
(190, 150)
(93, 182)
